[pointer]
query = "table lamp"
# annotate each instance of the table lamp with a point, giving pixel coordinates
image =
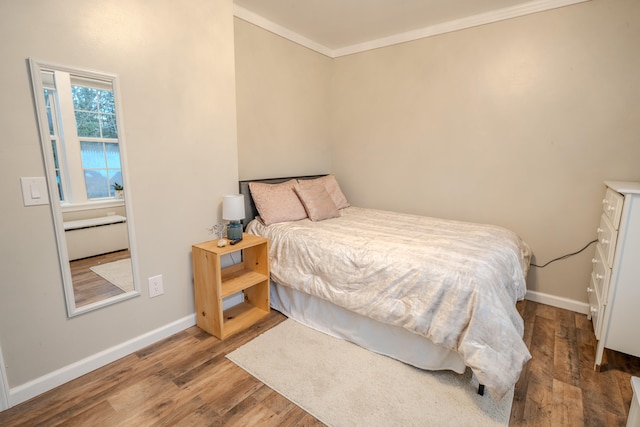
(233, 211)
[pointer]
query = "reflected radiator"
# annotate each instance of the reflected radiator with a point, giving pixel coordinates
(96, 236)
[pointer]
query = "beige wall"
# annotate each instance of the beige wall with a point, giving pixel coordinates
(177, 80)
(515, 123)
(282, 99)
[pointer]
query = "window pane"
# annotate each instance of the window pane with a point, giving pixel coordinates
(95, 112)
(109, 129)
(113, 155)
(59, 184)
(84, 98)
(107, 102)
(115, 176)
(47, 100)
(88, 124)
(92, 155)
(50, 119)
(56, 165)
(54, 147)
(96, 183)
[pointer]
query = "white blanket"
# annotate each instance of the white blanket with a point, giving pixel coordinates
(452, 282)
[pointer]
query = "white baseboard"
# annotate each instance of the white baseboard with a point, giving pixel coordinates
(4, 388)
(560, 302)
(53, 379)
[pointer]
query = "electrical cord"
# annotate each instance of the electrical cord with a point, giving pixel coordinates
(565, 256)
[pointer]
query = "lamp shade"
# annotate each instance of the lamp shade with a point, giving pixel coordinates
(233, 207)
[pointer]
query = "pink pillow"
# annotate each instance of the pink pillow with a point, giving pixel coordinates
(277, 202)
(317, 202)
(331, 185)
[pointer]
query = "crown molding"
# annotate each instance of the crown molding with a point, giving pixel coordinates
(458, 24)
(253, 18)
(446, 27)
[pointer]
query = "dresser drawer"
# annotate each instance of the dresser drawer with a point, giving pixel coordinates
(612, 206)
(596, 309)
(607, 237)
(601, 274)
(616, 319)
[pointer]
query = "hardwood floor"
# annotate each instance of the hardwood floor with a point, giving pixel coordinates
(186, 380)
(559, 385)
(88, 287)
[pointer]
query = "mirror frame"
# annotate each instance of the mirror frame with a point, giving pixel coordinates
(36, 67)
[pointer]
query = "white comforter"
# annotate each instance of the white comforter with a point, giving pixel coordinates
(453, 282)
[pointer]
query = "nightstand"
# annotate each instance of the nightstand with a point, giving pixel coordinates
(213, 283)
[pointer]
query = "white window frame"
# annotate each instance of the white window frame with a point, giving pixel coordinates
(68, 142)
(56, 139)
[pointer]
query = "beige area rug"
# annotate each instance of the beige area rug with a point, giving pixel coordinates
(117, 272)
(342, 384)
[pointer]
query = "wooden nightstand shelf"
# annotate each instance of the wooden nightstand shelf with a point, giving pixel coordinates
(213, 283)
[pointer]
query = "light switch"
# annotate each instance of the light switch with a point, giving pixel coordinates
(34, 191)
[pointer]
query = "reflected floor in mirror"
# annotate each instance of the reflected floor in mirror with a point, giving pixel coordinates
(89, 287)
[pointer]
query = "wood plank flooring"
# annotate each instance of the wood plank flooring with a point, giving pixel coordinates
(186, 380)
(559, 386)
(88, 287)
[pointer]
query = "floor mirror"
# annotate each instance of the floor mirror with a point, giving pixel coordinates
(82, 137)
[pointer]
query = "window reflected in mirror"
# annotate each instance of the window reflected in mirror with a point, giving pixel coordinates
(91, 112)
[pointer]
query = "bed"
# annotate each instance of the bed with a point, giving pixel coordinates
(433, 293)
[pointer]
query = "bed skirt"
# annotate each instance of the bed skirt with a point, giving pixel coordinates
(392, 341)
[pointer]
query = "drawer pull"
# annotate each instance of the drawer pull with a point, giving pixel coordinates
(593, 310)
(605, 202)
(594, 261)
(604, 241)
(610, 208)
(599, 230)
(599, 276)
(589, 290)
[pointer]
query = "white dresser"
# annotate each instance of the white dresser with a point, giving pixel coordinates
(634, 410)
(614, 291)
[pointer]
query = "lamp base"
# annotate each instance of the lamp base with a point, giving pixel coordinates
(234, 230)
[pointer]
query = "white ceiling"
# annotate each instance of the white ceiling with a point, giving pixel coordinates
(342, 27)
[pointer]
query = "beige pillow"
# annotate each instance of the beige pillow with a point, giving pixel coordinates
(317, 202)
(277, 202)
(331, 185)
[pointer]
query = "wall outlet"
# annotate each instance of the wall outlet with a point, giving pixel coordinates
(155, 286)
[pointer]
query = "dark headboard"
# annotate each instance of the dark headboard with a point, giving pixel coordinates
(250, 211)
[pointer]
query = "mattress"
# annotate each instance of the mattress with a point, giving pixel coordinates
(452, 282)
